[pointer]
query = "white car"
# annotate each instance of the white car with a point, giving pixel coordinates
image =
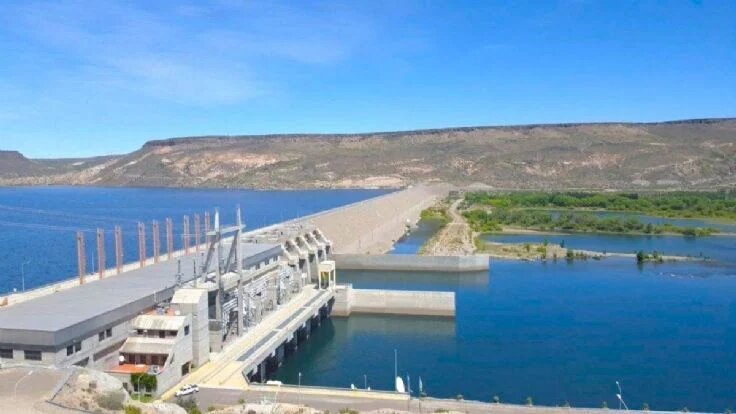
(187, 390)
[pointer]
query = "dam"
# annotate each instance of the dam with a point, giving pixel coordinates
(225, 310)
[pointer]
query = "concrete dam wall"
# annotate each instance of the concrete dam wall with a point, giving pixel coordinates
(405, 262)
(372, 226)
(392, 302)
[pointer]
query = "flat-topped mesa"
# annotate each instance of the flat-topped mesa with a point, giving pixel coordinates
(657, 155)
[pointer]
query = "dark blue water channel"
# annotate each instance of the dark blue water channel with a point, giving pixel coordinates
(556, 331)
(38, 224)
(412, 242)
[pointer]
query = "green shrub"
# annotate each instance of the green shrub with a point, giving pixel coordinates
(189, 404)
(130, 409)
(529, 401)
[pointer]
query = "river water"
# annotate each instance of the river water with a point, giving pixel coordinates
(412, 242)
(556, 331)
(38, 224)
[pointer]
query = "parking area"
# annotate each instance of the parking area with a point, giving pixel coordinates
(24, 390)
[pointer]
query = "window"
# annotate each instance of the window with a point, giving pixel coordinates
(101, 336)
(6, 353)
(69, 350)
(186, 330)
(32, 355)
(108, 332)
(162, 334)
(77, 347)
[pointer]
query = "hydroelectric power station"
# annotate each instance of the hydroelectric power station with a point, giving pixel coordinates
(224, 310)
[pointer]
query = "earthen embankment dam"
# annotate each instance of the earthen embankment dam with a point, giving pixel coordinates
(372, 226)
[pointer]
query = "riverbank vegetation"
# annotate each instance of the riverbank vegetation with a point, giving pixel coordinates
(437, 212)
(671, 204)
(484, 221)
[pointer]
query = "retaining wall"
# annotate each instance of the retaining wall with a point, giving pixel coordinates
(392, 302)
(408, 262)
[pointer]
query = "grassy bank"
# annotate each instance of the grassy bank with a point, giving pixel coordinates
(437, 212)
(716, 205)
(496, 220)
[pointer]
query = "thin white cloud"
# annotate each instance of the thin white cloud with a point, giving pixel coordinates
(192, 54)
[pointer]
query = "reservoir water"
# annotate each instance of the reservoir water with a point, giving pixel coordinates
(556, 331)
(38, 224)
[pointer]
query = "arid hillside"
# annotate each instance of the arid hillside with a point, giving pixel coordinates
(679, 154)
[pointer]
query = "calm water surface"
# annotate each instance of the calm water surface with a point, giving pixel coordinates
(558, 332)
(39, 223)
(411, 243)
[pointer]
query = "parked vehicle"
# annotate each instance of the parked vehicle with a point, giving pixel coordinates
(187, 390)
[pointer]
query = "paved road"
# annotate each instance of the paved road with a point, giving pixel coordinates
(24, 390)
(362, 401)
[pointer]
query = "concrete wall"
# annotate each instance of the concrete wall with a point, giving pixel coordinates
(372, 226)
(392, 302)
(411, 262)
(192, 301)
(90, 346)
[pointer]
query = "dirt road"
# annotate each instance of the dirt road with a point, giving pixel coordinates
(455, 239)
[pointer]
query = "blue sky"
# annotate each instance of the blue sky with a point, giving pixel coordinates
(80, 78)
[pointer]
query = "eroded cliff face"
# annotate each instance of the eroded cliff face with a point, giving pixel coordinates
(684, 154)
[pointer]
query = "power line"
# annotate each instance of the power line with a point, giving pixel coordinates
(43, 226)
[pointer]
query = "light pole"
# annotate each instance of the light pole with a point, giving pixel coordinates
(23, 274)
(620, 393)
(299, 390)
(365, 381)
(139, 386)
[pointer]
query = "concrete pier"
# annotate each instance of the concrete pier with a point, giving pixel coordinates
(392, 302)
(411, 262)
